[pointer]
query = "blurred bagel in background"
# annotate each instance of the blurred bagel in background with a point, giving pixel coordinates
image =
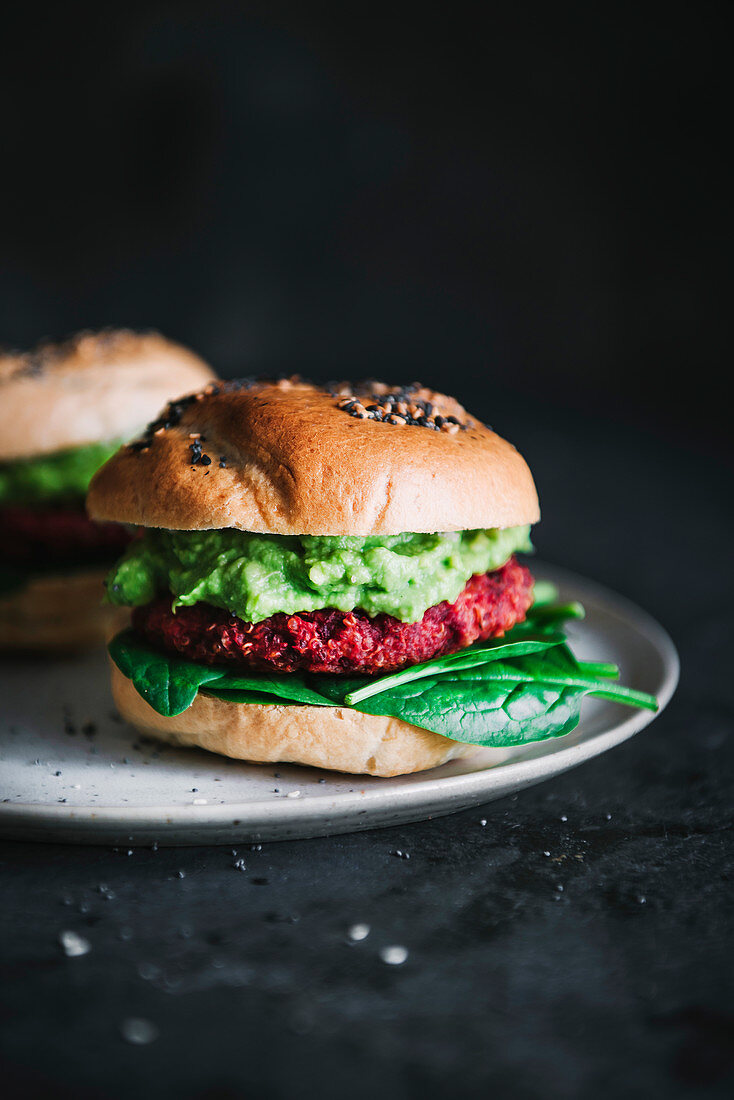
(65, 408)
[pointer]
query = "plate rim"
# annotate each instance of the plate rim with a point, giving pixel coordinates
(454, 788)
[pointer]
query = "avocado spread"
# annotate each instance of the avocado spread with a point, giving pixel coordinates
(62, 475)
(254, 576)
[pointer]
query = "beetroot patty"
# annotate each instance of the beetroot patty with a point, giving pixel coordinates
(41, 536)
(341, 641)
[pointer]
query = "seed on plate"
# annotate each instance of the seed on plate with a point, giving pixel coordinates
(394, 955)
(139, 1032)
(73, 945)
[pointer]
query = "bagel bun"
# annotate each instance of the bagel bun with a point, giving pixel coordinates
(58, 614)
(335, 738)
(289, 458)
(92, 388)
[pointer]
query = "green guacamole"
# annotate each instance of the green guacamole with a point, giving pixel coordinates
(255, 576)
(57, 476)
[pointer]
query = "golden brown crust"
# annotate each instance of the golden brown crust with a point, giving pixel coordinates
(323, 737)
(58, 614)
(297, 463)
(94, 387)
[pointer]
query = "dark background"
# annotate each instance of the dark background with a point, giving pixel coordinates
(525, 197)
(529, 209)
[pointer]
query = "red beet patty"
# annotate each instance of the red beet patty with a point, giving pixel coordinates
(42, 536)
(341, 641)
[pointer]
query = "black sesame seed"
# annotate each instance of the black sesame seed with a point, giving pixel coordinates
(397, 405)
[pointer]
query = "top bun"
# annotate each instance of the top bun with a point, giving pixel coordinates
(92, 388)
(288, 458)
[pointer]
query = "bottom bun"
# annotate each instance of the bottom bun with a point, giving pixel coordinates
(58, 614)
(337, 738)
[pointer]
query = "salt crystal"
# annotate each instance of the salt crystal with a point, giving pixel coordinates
(74, 945)
(394, 956)
(138, 1031)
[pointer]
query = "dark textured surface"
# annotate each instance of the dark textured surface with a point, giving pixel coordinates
(578, 944)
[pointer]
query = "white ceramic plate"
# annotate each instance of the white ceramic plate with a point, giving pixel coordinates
(70, 771)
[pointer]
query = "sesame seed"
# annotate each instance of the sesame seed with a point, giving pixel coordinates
(397, 405)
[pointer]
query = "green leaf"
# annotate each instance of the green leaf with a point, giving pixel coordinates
(483, 712)
(600, 668)
(262, 698)
(544, 592)
(483, 653)
(524, 687)
(168, 684)
(290, 687)
(544, 672)
(554, 613)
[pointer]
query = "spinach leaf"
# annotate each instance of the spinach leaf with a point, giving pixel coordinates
(544, 672)
(536, 634)
(503, 703)
(168, 684)
(526, 686)
(241, 696)
(288, 687)
(483, 712)
(481, 653)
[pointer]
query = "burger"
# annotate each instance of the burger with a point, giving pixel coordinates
(330, 576)
(64, 409)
